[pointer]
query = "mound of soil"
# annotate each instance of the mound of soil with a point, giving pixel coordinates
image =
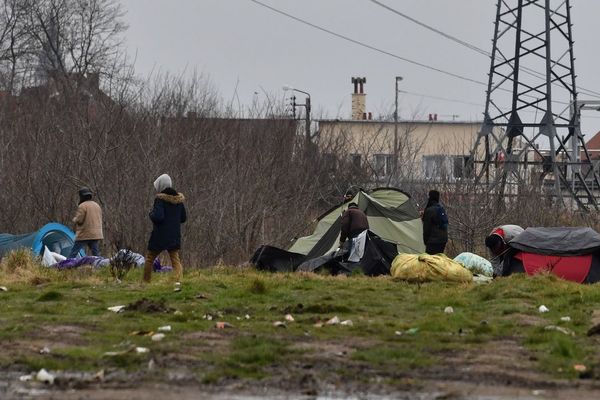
(149, 306)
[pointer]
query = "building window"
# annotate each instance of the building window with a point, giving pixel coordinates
(434, 166)
(384, 164)
(329, 161)
(355, 160)
(462, 167)
(447, 167)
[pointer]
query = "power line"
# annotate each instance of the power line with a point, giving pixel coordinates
(368, 46)
(441, 98)
(471, 46)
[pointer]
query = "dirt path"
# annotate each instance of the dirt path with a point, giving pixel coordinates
(501, 370)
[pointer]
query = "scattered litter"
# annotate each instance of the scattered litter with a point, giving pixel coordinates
(318, 325)
(449, 310)
(142, 350)
(347, 323)
(45, 350)
(157, 337)
(398, 333)
(579, 367)
(26, 378)
(565, 319)
(289, 318)
(141, 333)
(279, 324)
(177, 313)
(543, 309)
(116, 309)
(247, 316)
(207, 317)
(412, 331)
(223, 325)
(333, 321)
(166, 328)
(3, 289)
(560, 329)
(200, 296)
(44, 376)
(538, 392)
(238, 318)
(151, 364)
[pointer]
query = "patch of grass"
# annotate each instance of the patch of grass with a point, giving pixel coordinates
(70, 313)
(257, 286)
(51, 295)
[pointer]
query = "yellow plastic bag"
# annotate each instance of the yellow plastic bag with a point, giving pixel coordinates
(426, 268)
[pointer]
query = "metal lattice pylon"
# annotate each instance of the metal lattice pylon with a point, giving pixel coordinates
(531, 132)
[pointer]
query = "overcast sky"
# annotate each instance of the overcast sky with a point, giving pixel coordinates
(240, 44)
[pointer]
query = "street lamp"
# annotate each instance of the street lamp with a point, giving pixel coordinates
(306, 105)
(398, 79)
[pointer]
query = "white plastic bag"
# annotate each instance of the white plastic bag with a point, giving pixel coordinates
(47, 259)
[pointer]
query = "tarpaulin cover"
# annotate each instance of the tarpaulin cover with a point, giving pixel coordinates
(557, 241)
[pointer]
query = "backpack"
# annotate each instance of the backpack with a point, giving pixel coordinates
(442, 217)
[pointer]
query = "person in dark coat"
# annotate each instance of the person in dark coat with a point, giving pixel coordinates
(435, 225)
(354, 221)
(167, 215)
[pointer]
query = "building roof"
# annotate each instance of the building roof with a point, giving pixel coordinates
(403, 121)
(594, 142)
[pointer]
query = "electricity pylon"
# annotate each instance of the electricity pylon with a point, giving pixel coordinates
(531, 134)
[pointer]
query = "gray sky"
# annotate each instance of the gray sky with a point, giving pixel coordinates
(238, 43)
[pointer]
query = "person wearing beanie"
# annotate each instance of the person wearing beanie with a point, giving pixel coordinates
(497, 243)
(435, 224)
(88, 224)
(167, 215)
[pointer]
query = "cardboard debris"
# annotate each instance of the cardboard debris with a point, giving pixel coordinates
(116, 309)
(333, 321)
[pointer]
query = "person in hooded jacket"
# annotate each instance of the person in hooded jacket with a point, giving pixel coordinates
(167, 215)
(88, 224)
(435, 225)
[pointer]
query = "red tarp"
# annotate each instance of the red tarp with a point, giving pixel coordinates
(571, 268)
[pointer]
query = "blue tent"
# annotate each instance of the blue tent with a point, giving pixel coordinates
(57, 237)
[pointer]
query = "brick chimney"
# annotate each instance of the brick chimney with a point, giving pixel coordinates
(359, 98)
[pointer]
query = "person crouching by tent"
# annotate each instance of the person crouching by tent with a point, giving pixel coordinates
(354, 222)
(88, 224)
(167, 215)
(497, 243)
(435, 225)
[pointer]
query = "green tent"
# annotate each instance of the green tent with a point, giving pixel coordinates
(392, 215)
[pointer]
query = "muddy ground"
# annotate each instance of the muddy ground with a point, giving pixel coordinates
(500, 370)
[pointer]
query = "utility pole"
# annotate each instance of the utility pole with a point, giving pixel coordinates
(306, 105)
(398, 79)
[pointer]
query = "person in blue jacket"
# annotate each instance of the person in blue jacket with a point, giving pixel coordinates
(167, 215)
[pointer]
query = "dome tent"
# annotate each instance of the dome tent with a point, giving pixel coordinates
(393, 219)
(57, 237)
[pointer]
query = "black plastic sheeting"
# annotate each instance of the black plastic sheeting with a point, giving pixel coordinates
(376, 260)
(557, 241)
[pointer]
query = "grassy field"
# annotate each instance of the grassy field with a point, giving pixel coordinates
(400, 336)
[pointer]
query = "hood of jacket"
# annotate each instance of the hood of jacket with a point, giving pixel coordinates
(171, 198)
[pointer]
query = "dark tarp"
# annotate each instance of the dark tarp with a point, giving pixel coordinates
(562, 251)
(557, 241)
(376, 260)
(269, 258)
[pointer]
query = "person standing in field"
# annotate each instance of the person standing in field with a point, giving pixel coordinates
(435, 225)
(88, 224)
(167, 215)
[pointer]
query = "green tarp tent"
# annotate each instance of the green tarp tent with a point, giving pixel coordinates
(392, 215)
